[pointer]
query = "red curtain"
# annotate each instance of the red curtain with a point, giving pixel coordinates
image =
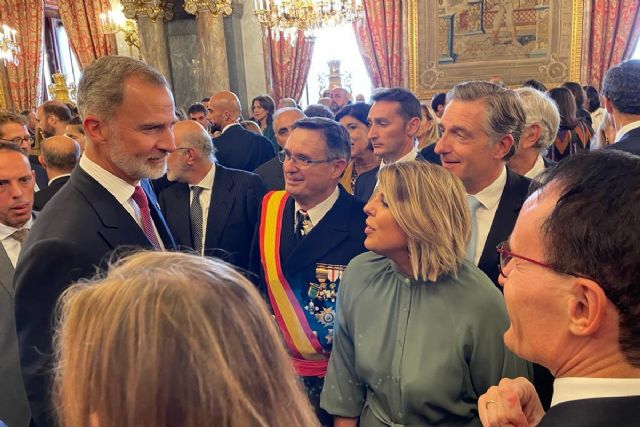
(81, 19)
(379, 37)
(615, 27)
(27, 17)
(287, 64)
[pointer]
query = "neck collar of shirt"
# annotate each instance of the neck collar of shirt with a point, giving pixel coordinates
(318, 212)
(58, 177)
(538, 167)
(207, 181)
(411, 155)
(573, 388)
(6, 231)
(627, 128)
(224, 129)
(119, 188)
(490, 196)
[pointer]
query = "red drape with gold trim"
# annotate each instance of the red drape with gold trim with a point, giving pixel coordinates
(379, 37)
(287, 64)
(27, 17)
(81, 19)
(615, 27)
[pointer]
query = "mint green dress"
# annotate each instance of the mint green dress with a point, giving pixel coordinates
(414, 353)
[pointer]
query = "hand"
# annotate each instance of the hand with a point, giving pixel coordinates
(512, 403)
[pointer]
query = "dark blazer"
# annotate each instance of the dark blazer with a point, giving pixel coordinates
(41, 175)
(336, 239)
(41, 197)
(14, 406)
(548, 162)
(599, 412)
(513, 196)
(71, 240)
(630, 142)
(233, 214)
(239, 148)
(272, 174)
(428, 153)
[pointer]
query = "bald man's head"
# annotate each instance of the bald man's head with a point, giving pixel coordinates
(283, 121)
(224, 109)
(194, 153)
(59, 154)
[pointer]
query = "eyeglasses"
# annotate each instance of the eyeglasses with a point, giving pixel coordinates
(506, 255)
(299, 160)
(18, 140)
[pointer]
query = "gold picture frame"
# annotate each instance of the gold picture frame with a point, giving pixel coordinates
(450, 41)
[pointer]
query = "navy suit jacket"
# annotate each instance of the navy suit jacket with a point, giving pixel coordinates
(239, 148)
(272, 174)
(598, 412)
(72, 239)
(233, 214)
(336, 239)
(630, 142)
(41, 197)
(513, 196)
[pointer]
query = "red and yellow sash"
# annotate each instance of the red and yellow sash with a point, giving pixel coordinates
(308, 356)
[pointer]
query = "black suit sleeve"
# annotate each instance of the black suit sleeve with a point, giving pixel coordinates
(255, 192)
(39, 282)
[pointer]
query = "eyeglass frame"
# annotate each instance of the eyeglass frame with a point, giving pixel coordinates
(17, 140)
(502, 251)
(282, 156)
(502, 264)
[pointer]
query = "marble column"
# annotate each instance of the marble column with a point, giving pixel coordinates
(153, 45)
(213, 51)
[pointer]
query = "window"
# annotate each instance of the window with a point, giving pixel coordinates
(636, 53)
(58, 56)
(336, 43)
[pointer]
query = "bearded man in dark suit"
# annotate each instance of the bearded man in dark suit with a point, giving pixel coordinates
(128, 115)
(212, 209)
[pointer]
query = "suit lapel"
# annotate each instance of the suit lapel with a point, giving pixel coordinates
(118, 225)
(323, 238)
(179, 213)
(6, 270)
(222, 201)
(507, 212)
(156, 215)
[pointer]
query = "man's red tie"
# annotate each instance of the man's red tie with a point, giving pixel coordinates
(140, 198)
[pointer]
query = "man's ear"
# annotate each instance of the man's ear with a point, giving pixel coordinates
(96, 129)
(412, 126)
(530, 136)
(41, 161)
(587, 307)
(503, 147)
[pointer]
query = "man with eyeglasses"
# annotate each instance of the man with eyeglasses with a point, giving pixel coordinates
(307, 235)
(212, 210)
(13, 130)
(271, 171)
(571, 272)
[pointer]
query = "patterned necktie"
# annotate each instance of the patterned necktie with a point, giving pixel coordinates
(195, 213)
(141, 200)
(20, 235)
(303, 224)
(474, 204)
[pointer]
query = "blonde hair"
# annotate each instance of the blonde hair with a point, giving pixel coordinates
(168, 339)
(432, 134)
(430, 206)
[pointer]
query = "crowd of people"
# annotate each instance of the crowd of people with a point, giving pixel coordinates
(468, 261)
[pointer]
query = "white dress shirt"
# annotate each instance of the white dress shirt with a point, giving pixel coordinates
(205, 199)
(318, 212)
(228, 126)
(120, 189)
(411, 155)
(489, 199)
(58, 177)
(627, 128)
(11, 245)
(573, 388)
(537, 169)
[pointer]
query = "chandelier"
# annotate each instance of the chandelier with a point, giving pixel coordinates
(9, 49)
(291, 16)
(114, 22)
